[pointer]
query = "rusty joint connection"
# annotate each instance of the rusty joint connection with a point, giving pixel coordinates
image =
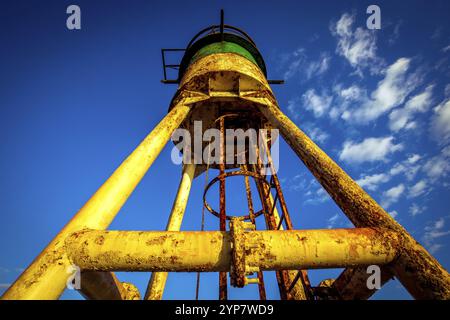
(239, 268)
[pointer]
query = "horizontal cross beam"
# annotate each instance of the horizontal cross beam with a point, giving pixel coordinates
(211, 251)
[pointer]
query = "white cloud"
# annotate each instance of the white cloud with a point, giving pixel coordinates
(295, 61)
(332, 221)
(390, 93)
(371, 182)
(402, 118)
(438, 167)
(321, 196)
(393, 213)
(392, 195)
(311, 190)
(317, 68)
(370, 149)
(352, 93)
(397, 168)
(357, 46)
(292, 107)
(432, 233)
(355, 104)
(433, 248)
(415, 209)
(346, 97)
(447, 90)
(316, 194)
(440, 122)
(418, 189)
(318, 104)
(413, 158)
(408, 167)
(296, 183)
(395, 33)
(317, 135)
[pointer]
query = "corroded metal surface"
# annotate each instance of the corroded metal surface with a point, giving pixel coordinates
(224, 78)
(150, 250)
(201, 75)
(352, 283)
(132, 292)
(212, 250)
(326, 291)
(319, 248)
(238, 273)
(101, 286)
(223, 286)
(225, 175)
(212, 87)
(106, 286)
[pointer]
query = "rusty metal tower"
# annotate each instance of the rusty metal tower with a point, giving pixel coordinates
(222, 82)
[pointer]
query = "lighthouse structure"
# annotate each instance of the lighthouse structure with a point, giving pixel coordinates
(222, 84)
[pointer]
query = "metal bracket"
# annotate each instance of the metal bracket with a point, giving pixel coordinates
(239, 268)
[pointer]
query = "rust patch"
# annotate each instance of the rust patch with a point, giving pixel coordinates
(100, 240)
(353, 251)
(156, 241)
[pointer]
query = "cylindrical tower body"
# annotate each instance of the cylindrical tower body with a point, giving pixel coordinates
(225, 66)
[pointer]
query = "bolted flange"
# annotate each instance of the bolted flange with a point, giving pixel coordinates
(239, 269)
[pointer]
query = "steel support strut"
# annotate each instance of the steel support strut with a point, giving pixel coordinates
(417, 270)
(158, 280)
(222, 218)
(352, 283)
(106, 286)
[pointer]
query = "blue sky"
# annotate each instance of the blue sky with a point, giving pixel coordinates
(74, 104)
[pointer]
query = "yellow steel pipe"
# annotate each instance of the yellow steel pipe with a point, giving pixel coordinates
(418, 271)
(46, 277)
(316, 249)
(158, 280)
(211, 251)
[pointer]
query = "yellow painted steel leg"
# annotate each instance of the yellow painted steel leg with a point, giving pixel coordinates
(157, 281)
(419, 272)
(352, 283)
(46, 277)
